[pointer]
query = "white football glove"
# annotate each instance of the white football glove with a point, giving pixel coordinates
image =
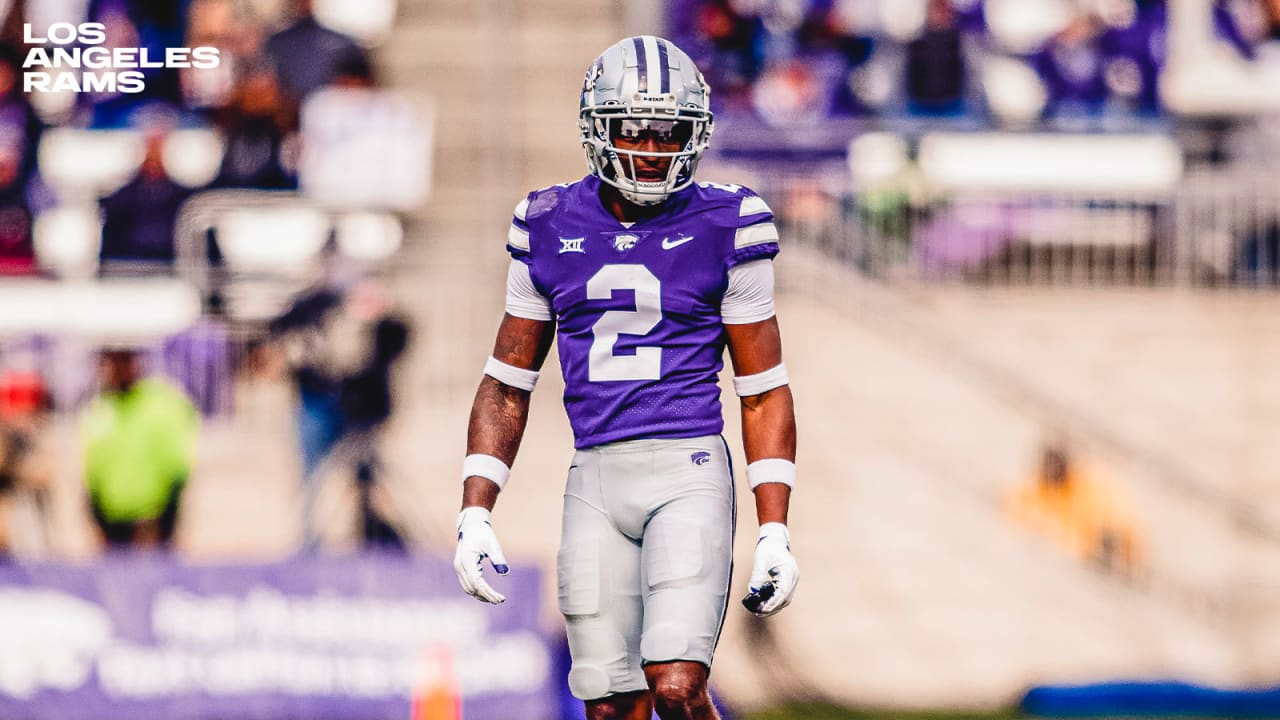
(774, 574)
(476, 541)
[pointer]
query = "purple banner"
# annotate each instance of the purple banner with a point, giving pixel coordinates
(346, 638)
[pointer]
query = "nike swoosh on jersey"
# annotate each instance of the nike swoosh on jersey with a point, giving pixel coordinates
(668, 244)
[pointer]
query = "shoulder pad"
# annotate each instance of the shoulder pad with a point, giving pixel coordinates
(540, 202)
(734, 206)
(535, 205)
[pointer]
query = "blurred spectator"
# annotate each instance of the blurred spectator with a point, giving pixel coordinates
(20, 131)
(25, 461)
(340, 343)
(139, 218)
(1227, 29)
(151, 24)
(228, 26)
(1077, 509)
(1071, 65)
(971, 15)
(737, 56)
(936, 66)
(308, 55)
(831, 38)
(354, 72)
(257, 126)
(1133, 45)
(20, 126)
(17, 254)
(12, 21)
(1103, 66)
(789, 93)
(139, 435)
(1269, 44)
(1259, 261)
(1128, 42)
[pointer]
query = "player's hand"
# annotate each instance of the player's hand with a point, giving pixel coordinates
(476, 541)
(774, 574)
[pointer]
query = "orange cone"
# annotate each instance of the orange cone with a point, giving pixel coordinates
(437, 697)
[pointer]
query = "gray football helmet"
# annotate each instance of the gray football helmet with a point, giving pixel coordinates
(644, 82)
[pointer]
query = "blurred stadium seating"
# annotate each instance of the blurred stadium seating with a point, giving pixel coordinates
(1003, 220)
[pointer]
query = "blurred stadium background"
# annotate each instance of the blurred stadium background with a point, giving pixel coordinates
(1028, 290)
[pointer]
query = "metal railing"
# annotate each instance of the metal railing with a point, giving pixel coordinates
(1211, 230)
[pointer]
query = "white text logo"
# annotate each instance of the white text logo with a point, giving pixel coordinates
(68, 46)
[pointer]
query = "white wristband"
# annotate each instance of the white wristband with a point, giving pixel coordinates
(771, 470)
(774, 377)
(486, 466)
(518, 378)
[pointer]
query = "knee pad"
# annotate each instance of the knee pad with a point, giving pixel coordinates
(664, 642)
(588, 681)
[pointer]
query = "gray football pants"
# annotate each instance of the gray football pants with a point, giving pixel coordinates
(645, 558)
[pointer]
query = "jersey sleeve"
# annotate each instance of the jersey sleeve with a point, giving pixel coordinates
(749, 297)
(518, 234)
(523, 298)
(755, 236)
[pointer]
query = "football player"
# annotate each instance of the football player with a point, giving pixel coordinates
(643, 276)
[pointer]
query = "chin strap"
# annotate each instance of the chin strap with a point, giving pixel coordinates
(643, 200)
(628, 188)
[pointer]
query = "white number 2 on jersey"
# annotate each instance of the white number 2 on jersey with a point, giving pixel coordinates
(646, 364)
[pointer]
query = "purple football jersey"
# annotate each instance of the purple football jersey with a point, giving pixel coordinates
(638, 308)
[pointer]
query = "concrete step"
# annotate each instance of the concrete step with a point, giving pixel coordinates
(448, 45)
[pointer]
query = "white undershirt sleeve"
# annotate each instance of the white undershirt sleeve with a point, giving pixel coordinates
(749, 297)
(523, 298)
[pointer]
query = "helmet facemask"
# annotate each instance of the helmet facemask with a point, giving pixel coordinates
(619, 167)
(624, 168)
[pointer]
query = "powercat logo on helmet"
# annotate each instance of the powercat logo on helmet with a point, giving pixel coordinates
(593, 73)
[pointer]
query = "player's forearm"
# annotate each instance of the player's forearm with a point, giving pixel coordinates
(498, 418)
(769, 425)
(769, 432)
(773, 500)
